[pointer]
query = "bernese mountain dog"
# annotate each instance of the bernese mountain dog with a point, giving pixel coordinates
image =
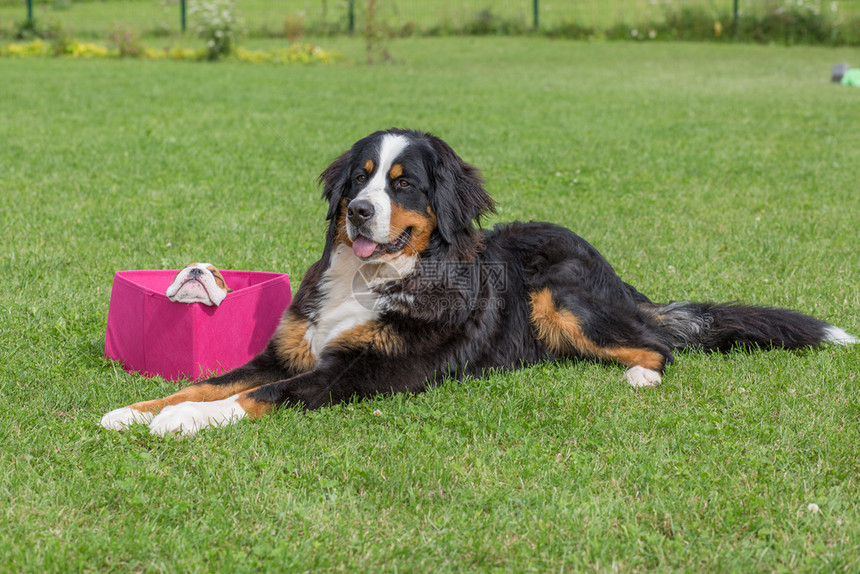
(410, 291)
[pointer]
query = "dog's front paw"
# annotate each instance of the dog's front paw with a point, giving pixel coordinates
(190, 417)
(639, 377)
(120, 419)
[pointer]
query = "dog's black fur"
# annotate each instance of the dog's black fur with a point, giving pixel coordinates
(464, 300)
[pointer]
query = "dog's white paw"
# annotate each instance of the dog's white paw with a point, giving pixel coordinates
(120, 419)
(190, 417)
(638, 377)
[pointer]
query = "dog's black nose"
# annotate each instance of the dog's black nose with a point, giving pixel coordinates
(195, 271)
(359, 211)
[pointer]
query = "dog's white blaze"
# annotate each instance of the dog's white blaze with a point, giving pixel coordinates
(190, 417)
(340, 310)
(121, 418)
(639, 377)
(838, 336)
(391, 147)
(389, 150)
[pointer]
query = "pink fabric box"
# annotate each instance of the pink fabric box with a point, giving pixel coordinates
(153, 335)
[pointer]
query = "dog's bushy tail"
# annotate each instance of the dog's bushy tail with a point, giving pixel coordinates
(719, 327)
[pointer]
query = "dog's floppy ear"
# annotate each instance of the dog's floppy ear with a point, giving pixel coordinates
(334, 180)
(458, 197)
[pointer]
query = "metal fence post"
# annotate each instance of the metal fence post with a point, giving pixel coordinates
(735, 12)
(351, 16)
(182, 14)
(535, 13)
(29, 10)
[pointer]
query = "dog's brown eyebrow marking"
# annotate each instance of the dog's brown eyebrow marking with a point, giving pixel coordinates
(395, 171)
(368, 166)
(219, 279)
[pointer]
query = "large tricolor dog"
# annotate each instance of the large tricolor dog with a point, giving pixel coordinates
(410, 291)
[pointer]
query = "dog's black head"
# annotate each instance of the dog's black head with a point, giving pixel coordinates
(403, 192)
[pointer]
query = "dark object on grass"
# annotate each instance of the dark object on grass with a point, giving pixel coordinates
(837, 71)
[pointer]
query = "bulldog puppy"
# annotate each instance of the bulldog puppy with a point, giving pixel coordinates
(198, 283)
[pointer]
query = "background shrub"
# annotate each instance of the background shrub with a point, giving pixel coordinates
(218, 24)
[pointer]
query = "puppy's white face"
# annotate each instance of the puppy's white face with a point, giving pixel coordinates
(198, 283)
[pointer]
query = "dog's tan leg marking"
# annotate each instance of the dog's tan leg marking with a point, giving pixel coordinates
(561, 331)
(375, 334)
(291, 346)
(195, 393)
(254, 408)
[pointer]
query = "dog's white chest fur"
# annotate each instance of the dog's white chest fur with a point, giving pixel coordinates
(348, 297)
(341, 308)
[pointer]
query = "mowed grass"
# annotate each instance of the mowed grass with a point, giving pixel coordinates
(701, 172)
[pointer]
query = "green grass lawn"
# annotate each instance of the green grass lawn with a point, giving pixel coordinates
(700, 171)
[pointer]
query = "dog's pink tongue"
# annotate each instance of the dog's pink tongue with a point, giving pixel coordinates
(363, 247)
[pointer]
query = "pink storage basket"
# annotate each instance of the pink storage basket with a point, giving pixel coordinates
(155, 336)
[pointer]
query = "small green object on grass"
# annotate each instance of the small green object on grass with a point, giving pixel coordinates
(851, 78)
